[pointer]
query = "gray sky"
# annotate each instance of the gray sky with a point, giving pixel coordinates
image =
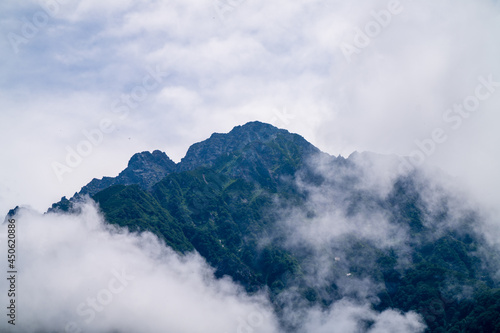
(143, 75)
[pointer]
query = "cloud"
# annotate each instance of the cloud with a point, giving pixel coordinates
(348, 219)
(347, 202)
(260, 57)
(78, 274)
(347, 316)
(338, 234)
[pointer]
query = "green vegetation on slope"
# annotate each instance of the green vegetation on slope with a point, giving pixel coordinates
(229, 207)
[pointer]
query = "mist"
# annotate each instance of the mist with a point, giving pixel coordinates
(78, 274)
(350, 216)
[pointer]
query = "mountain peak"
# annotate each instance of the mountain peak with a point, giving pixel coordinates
(207, 151)
(257, 128)
(146, 158)
(143, 168)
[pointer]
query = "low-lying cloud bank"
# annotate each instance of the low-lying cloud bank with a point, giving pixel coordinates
(78, 274)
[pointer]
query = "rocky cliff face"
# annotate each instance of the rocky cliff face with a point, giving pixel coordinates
(144, 169)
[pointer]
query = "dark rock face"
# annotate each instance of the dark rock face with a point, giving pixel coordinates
(10, 214)
(144, 169)
(205, 153)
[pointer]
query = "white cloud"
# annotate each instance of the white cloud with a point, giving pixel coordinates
(347, 316)
(77, 272)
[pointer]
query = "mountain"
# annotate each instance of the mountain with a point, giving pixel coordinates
(270, 210)
(145, 168)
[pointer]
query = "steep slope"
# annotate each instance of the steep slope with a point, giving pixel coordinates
(132, 207)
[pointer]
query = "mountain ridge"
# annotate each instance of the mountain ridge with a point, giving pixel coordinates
(240, 199)
(147, 168)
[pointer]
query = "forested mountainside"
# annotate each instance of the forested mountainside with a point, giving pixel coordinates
(270, 210)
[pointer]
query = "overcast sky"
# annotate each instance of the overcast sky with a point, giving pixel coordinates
(370, 75)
